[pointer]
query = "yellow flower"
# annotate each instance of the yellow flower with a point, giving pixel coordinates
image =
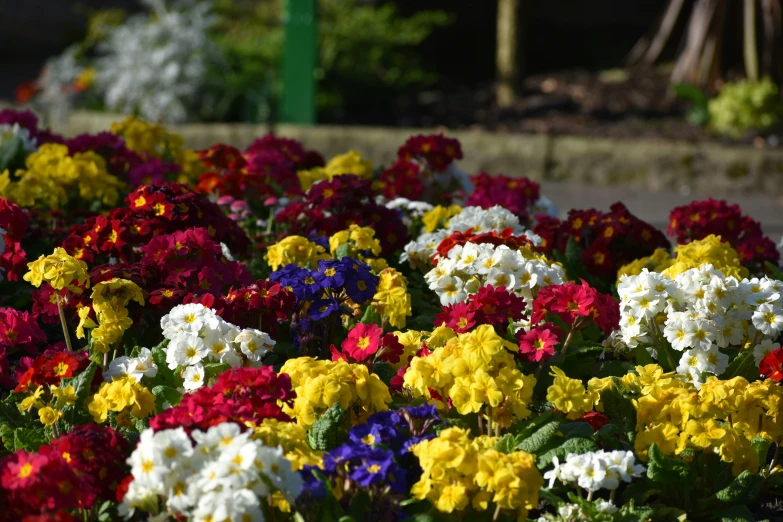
(568, 395)
(65, 396)
(308, 178)
(659, 261)
(149, 139)
(439, 217)
(115, 294)
(349, 163)
(32, 400)
(49, 415)
(391, 298)
(84, 321)
(60, 270)
(710, 250)
(297, 250)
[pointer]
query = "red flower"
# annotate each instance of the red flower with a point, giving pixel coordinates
(362, 342)
(459, 317)
(391, 349)
(538, 343)
(595, 419)
(22, 470)
(61, 366)
(771, 366)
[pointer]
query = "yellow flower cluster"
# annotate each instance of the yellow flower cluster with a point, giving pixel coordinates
(439, 217)
(349, 163)
(411, 343)
(49, 413)
(297, 250)
(51, 175)
(569, 395)
(708, 250)
(60, 270)
(658, 262)
(476, 371)
(722, 417)
(109, 300)
(124, 396)
(321, 384)
(458, 470)
(149, 139)
(391, 298)
(152, 140)
(359, 241)
(292, 438)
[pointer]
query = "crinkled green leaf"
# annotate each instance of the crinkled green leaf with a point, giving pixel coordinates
(539, 438)
(165, 394)
(577, 445)
(328, 431)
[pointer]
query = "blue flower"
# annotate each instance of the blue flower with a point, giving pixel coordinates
(322, 308)
(331, 273)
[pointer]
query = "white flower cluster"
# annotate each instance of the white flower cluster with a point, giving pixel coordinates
(15, 132)
(595, 470)
(137, 367)
(574, 512)
(197, 333)
(469, 267)
(702, 311)
(224, 476)
(56, 83)
(481, 220)
(543, 205)
(409, 209)
(156, 65)
(419, 252)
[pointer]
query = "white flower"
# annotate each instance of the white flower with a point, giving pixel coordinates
(185, 349)
(451, 290)
(193, 377)
(188, 318)
(768, 319)
(254, 343)
(762, 349)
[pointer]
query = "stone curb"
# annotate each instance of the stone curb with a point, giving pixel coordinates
(653, 165)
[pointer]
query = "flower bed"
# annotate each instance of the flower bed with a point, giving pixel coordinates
(261, 334)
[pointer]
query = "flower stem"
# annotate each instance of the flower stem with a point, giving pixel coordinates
(611, 495)
(497, 513)
(567, 341)
(774, 459)
(63, 323)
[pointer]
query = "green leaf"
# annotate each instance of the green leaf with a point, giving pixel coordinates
(78, 413)
(342, 251)
(213, 369)
(609, 437)
(371, 316)
(11, 416)
(539, 439)
(384, 371)
(328, 431)
(507, 443)
(12, 154)
(736, 513)
(165, 375)
(773, 271)
(575, 268)
(165, 394)
(576, 429)
(28, 439)
(743, 489)
(620, 411)
(665, 470)
(577, 445)
(642, 356)
(743, 365)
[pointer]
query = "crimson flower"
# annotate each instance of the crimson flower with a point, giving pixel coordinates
(362, 341)
(538, 343)
(771, 366)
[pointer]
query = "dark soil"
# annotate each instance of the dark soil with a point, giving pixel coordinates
(615, 103)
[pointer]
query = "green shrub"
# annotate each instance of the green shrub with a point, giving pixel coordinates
(745, 105)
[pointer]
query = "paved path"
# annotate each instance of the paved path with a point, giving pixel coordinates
(654, 207)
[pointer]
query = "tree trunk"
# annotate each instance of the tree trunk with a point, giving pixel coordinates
(506, 52)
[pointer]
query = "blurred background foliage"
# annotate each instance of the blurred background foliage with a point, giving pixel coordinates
(366, 52)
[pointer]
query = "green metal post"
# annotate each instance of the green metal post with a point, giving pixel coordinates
(299, 55)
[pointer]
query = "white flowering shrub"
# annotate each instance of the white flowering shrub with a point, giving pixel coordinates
(155, 65)
(224, 475)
